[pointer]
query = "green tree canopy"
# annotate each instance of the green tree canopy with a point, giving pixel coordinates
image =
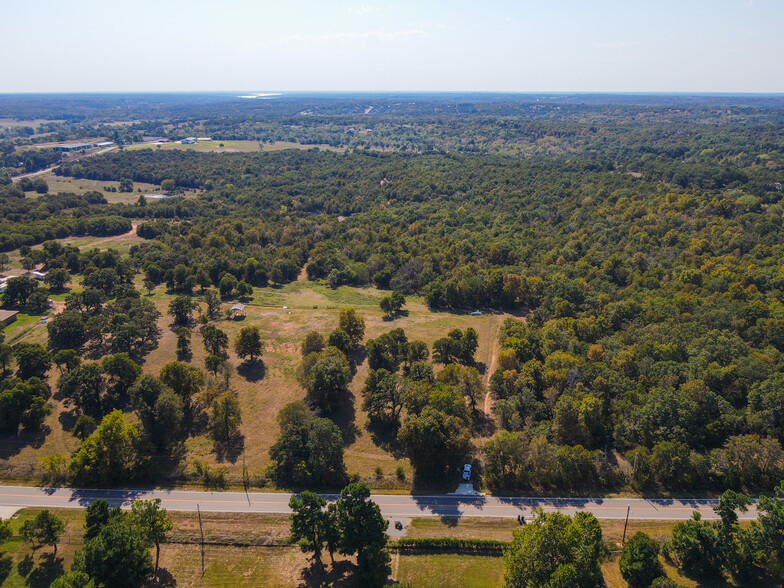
(640, 561)
(556, 550)
(248, 343)
(114, 453)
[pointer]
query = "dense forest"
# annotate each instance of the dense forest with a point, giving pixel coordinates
(639, 243)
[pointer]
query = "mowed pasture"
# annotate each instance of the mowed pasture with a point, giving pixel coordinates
(12, 123)
(81, 185)
(264, 389)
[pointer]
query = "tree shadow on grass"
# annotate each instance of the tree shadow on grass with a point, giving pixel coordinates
(49, 569)
(253, 371)
(345, 419)
(163, 579)
(341, 573)
(6, 565)
(356, 359)
(395, 315)
(68, 419)
(25, 566)
(710, 579)
(11, 445)
(167, 464)
(484, 424)
(385, 437)
(230, 450)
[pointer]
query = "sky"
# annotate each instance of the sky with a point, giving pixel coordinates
(392, 45)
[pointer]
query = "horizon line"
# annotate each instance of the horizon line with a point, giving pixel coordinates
(277, 93)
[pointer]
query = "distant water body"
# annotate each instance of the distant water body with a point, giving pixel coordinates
(266, 96)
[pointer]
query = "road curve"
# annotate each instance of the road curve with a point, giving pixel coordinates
(392, 506)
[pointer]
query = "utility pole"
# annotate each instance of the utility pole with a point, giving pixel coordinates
(628, 508)
(201, 531)
(245, 475)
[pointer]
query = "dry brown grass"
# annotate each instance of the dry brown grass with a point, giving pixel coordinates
(310, 307)
(80, 186)
(232, 527)
(462, 528)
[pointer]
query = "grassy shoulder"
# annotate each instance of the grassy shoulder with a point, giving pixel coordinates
(250, 549)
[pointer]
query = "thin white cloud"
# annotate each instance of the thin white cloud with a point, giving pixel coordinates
(339, 39)
(364, 9)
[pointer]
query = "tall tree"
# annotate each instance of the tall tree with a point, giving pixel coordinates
(556, 550)
(435, 442)
(310, 522)
(352, 324)
(326, 376)
(118, 556)
(216, 342)
(363, 531)
(248, 343)
(640, 561)
(181, 309)
(112, 454)
(46, 529)
(184, 379)
(32, 360)
(384, 397)
(154, 522)
(225, 419)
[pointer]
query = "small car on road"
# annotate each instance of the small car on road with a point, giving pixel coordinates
(467, 472)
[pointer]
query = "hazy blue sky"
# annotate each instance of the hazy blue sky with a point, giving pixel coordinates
(484, 45)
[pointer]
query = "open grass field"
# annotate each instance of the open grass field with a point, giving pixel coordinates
(236, 146)
(21, 566)
(449, 570)
(80, 186)
(10, 123)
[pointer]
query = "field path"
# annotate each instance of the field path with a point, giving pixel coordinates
(108, 240)
(493, 349)
(48, 169)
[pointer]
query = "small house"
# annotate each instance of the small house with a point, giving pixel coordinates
(8, 316)
(238, 310)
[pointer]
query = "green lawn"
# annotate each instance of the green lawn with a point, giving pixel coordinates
(450, 570)
(21, 566)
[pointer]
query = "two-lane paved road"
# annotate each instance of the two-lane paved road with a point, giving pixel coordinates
(403, 506)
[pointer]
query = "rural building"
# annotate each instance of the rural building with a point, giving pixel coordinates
(104, 144)
(73, 147)
(7, 316)
(39, 275)
(188, 141)
(4, 282)
(238, 310)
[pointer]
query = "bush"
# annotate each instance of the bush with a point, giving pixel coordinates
(640, 561)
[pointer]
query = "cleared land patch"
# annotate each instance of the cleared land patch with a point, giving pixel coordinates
(235, 146)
